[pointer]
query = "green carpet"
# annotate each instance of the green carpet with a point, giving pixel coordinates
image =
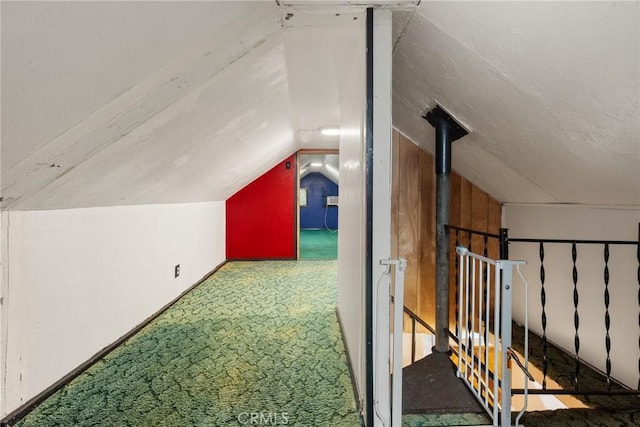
(440, 420)
(318, 244)
(257, 339)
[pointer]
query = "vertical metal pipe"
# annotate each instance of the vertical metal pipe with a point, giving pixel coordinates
(443, 200)
(443, 207)
(447, 131)
(443, 146)
(505, 333)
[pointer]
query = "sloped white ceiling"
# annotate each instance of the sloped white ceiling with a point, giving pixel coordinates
(110, 103)
(118, 103)
(550, 89)
(325, 164)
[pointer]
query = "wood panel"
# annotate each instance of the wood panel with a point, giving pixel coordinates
(494, 221)
(427, 246)
(456, 200)
(465, 209)
(456, 206)
(413, 222)
(409, 218)
(395, 186)
(479, 212)
(395, 206)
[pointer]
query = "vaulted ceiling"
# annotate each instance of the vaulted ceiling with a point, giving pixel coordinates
(117, 103)
(113, 103)
(550, 89)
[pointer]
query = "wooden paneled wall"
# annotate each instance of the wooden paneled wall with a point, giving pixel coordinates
(413, 222)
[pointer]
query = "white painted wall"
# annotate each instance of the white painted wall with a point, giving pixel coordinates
(3, 313)
(81, 278)
(382, 51)
(352, 212)
(580, 222)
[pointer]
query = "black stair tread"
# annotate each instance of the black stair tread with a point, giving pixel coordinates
(430, 385)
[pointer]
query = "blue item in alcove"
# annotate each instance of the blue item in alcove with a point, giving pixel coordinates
(318, 188)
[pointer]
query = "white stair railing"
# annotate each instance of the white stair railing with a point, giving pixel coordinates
(484, 332)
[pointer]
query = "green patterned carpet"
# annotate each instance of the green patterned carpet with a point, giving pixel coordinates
(318, 244)
(257, 339)
(444, 420)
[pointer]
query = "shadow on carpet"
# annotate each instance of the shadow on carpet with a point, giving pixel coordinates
(603, 411)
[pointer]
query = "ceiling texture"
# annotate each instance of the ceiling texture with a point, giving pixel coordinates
(324, 164)
(120, 103)
(550, 90)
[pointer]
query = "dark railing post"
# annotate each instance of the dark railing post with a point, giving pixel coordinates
(543, 301)
(504, 243)
(485, 274)
(447, 131)
(457, 280)
(638, 278)
(576, 316)
(607, 318)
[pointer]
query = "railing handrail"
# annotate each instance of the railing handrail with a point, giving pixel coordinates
(570, 241)
(417, 318)
(572, 392)
(468, 230)
(505, 241)
(539, 240)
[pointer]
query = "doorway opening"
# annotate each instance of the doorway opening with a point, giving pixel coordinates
(318, 204)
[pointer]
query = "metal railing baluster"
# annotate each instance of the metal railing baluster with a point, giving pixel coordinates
(611, 386)
(484, 277)
(607, 318)
(457, 276)
(477, 370)
(543, 301)
(576, 316)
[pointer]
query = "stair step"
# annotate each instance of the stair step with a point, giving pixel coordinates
(430, 386)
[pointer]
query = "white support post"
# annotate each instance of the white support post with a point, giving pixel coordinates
(381, 214)
(505, 338)
(398, 315)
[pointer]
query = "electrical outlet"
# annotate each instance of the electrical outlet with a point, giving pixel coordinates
(176, 270)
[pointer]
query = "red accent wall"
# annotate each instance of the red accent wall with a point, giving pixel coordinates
(261, 216)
